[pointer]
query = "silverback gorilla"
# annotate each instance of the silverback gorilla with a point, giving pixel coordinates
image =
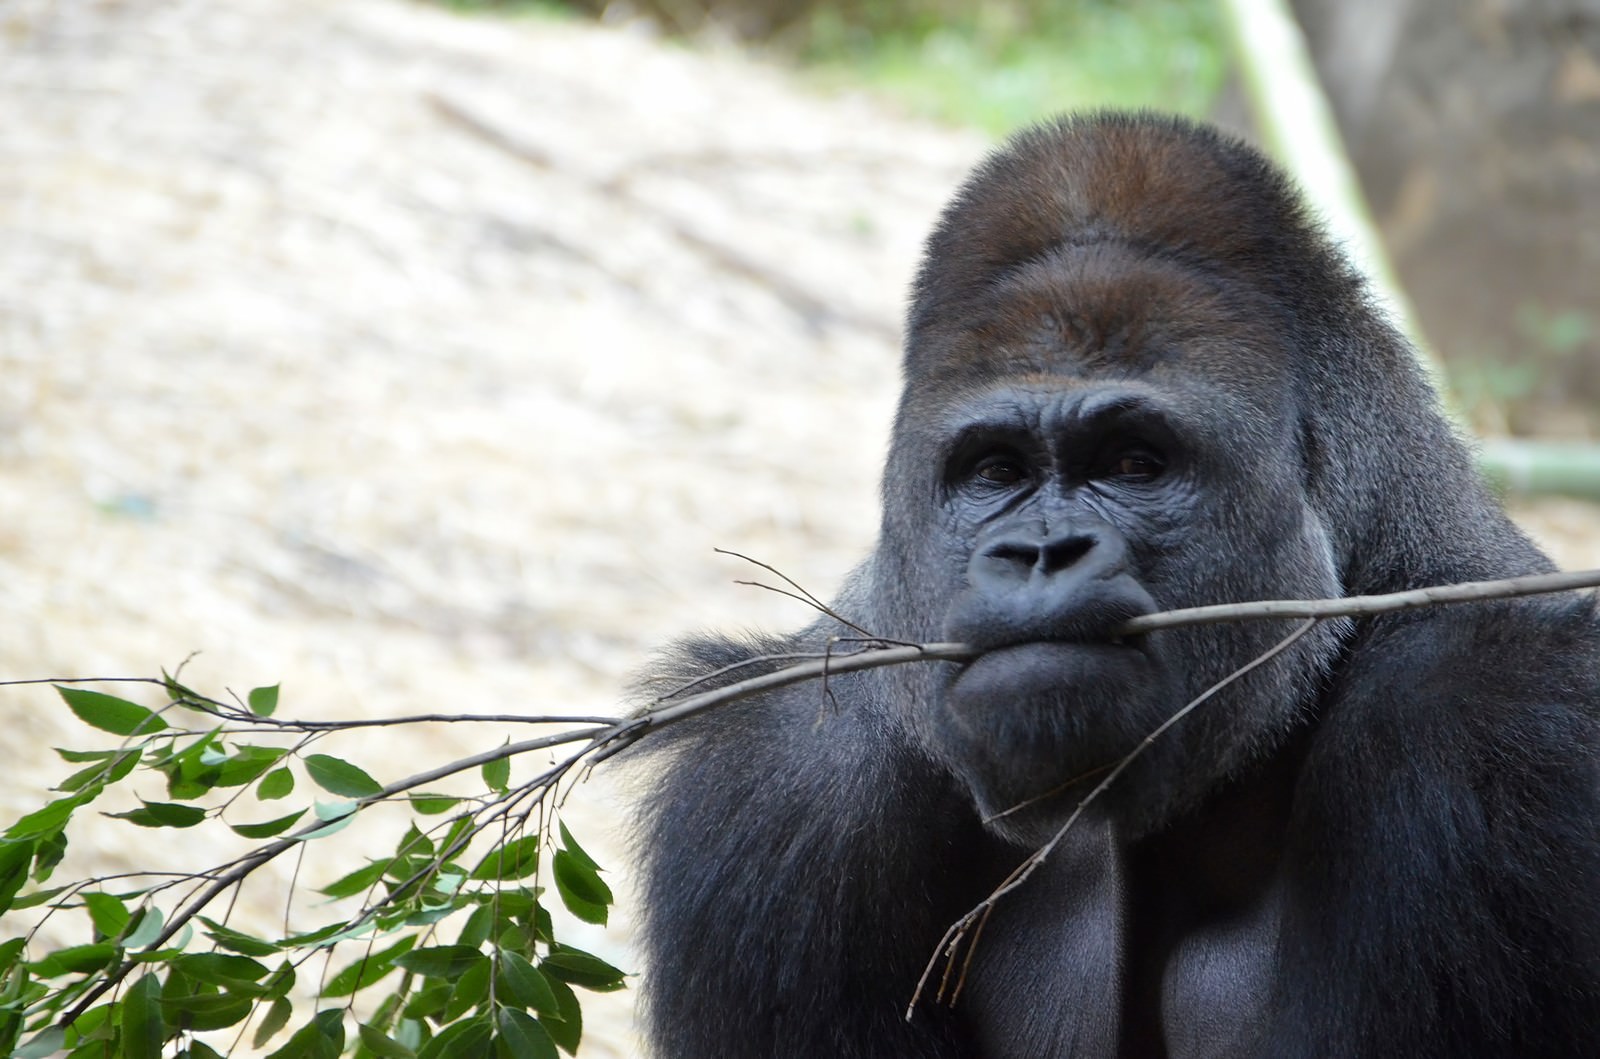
(1138, 378)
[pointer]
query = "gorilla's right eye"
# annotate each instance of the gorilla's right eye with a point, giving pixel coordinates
(1000, 470)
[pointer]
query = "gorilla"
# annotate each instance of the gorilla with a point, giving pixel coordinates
(1138, 377)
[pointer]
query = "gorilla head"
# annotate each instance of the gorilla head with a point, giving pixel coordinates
(1137, 378)
(1102, 418)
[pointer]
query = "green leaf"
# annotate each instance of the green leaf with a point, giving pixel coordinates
(367, 970)
(246, 764)
(427, 1001)
(231, 972)
(581, 968)
(268, 828)
(35, 898)
(476, 930)
(47, 854)
(433, 804)
(441, 961)
(78, 757)
(516, 859)
(497, 773)
(332, 933)
(520, 983)
(109, 914)
(279, 783)
(104, 772)
(471, 991)
(382, 1045)
(448, 879)
(582, 891)
(207, 1011)
(321, 1038)
(162, 814)
(339, 816)
(74, 959)
(469, 1039)
(566, 1031)
(414, 843)
(521, 1037)
(228, 938)
(570, 844)
(176, 690)
(46, 1042)
(337, 776)
(147, 929)
(401, 869)
(282, 980)
(92, 1025)
(142, 1027)
(109, 713)
(15, 857)
(332, 811)
(264, 701)
(52, 816)
(357, 881)
(195, 1050)
(543, 928)
(276, 1018)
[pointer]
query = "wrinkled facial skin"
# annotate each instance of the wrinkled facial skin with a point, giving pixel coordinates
(1079, 493)
(1047, 493)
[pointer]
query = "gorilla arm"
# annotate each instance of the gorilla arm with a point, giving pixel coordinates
(1442, 867)
(791, 840)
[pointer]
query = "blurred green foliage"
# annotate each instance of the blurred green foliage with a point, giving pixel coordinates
(1001, 65)
(995, 65)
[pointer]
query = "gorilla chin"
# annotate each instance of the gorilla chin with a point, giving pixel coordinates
(1030, 727)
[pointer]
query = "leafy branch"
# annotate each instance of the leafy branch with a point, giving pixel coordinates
(164, 964)
(505, 984)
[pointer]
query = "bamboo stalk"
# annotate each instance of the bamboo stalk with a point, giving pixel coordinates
(1298, 125)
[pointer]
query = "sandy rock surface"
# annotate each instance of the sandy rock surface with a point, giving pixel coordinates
(419, 363)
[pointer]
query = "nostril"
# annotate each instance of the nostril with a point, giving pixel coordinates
(1014, 552)
(1063, 552)
(1048, 556)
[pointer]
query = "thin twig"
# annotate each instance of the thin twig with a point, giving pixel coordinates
(1363, 606)
(804, 596)
(1350, 606)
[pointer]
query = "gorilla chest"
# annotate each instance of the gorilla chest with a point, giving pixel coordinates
(1110, 956)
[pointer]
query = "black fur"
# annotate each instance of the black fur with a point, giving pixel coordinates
(1138, 378)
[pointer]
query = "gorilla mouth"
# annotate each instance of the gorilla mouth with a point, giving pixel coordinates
(1033, 665)
(1056, 646)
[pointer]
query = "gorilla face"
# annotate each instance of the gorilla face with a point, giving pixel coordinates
(1091, 470)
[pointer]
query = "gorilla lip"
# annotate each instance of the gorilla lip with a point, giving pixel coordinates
(1057, 650)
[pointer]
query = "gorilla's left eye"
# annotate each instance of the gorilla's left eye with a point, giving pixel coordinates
(1000, 470)
(1137, 465)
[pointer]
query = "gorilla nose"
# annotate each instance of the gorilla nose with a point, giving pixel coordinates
(1026, 583)
(1030, 551)
(1023, 557)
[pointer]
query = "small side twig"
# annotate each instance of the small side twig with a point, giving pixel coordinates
(800, 592)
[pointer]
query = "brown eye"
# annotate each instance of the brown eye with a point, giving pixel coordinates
(1137, 465)
(1000, 471)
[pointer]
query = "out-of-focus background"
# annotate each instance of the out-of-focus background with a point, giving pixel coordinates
(418, 355)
